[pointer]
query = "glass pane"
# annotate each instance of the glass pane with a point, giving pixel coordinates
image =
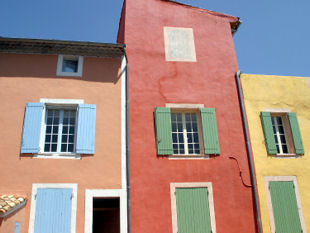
(181, 139)
(182, 151)
(71, 138)
(180, 128)
(195, 127)
(70, 148)
(48, 129)
(54, 138)
(49, 120)
(71, 129)
(63, 147)
(276, 139)
(194, 117)
(66, 120)
(55, 129)
(70, 65)
(65, 129)
(54, 148)
(284, 148)
(279, 120)
(173, 117)
(46, 147)
(64, 138)
(281, 130)
(272, 120)
(47, 138)
(174, 138)
(282, 138)
(278, 150)
(174, 127)
(56, 121)
(274, 129)
(187, 117)
(188, 127)
(189, 138)
(175, 149)
(179, 117)
(196, 138)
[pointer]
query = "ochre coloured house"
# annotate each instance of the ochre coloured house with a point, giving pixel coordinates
(62, 138)
(189, 169)
(278, 115)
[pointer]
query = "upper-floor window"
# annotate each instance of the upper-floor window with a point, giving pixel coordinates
(282, 133)
(69, 65)
(183, 129)
(59, 127)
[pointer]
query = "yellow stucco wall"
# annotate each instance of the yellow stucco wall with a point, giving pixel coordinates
(262, 93)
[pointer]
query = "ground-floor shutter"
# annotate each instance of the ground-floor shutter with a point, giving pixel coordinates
(193, 212)
(284, 205)
(53, 210)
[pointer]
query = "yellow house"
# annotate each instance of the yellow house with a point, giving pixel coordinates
(278, 115)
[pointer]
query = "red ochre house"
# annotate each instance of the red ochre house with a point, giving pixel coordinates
(187, 145)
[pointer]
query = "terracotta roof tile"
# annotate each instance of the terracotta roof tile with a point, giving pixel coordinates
(10, 203)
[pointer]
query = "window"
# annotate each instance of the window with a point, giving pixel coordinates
(192, 207)
(69, 65)
(282, 133)
(59, 127)
(284, 204)
(53, 208)
(60, 130)
(179, 44)
(185, 134)
(186, 130)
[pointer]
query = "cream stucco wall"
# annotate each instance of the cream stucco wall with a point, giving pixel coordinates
(262, 93)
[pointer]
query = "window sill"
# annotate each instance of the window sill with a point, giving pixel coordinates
(57, 156)
(286, 155)
(180, 157)
(69, 74)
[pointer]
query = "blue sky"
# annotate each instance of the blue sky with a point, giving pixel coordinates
(273, 39)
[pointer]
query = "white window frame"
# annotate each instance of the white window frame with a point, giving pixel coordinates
(90, 194)
(61, 59)
(35, 188)
(267, 180)
(192, 108)
(207, 185)
(61, 103)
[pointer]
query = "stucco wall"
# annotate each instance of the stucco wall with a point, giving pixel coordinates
(27, 78)
(263, 92)
(153, 82)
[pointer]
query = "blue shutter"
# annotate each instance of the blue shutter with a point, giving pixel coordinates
(32, 128)
(85, 143)
(17, 227)
(53, 210)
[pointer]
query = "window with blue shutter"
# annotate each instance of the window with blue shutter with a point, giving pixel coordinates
(53, 210)
(66, 129)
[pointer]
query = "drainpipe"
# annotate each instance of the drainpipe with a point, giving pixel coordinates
(127, 147)
(248, 146)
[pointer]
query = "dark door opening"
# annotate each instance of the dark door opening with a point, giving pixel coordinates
(106, 215)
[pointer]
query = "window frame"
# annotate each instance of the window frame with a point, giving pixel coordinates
(267, 180)
(80, 61)
(207, 185)
(35, 188)
(287, 134)
(189, 108)
(58, 104)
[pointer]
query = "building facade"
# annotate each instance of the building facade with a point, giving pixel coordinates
(63, 157)
(189, 168)
(277, 109)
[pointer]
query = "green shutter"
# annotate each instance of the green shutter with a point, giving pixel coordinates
(299, 148)
(163, 131)
(193, 212)
(284, 205)
(209, 131)
(268, 132)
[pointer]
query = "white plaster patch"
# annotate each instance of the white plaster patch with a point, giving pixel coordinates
(179, 44)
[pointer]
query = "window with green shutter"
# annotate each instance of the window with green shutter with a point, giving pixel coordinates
(282, 133)
(186, 131)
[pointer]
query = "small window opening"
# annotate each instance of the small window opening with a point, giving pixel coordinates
(70, 65)
(106, 215)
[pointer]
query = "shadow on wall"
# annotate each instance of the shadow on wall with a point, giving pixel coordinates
(45, 66)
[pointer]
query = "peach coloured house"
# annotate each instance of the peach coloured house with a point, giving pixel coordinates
(62, 137)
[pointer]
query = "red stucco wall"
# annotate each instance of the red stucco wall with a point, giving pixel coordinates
(153, 82)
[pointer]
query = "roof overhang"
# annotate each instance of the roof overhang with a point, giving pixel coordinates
(40, 46)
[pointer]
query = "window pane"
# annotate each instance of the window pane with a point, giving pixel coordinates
(282, 138)
(63, 147)
(189, 138)
(71, 138)
(284, 148)
(181, 139)
(71, 130)
(70, 65)
(281, 130)
(55, 129)
(70, 148)
(54, 148)
(180, 127)
(279, 120)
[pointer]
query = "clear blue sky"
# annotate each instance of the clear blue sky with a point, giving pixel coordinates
(273, 39)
